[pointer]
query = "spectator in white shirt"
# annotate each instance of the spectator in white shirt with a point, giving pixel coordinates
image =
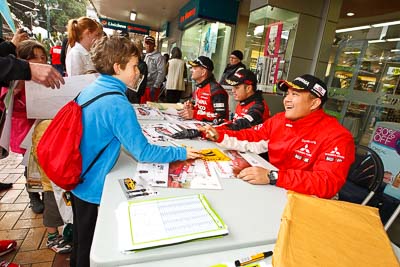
(82, 33)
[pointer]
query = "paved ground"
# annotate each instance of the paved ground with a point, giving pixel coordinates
(18, 222)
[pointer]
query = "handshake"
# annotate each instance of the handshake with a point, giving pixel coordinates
(186, 134)
(209, 133)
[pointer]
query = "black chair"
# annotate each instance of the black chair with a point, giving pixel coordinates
(365, 177)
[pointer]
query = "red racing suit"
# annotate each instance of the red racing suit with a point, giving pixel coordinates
(211, 102)
(249, 112)
(313, 154)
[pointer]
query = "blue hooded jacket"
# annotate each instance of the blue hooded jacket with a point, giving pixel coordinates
(112, 120)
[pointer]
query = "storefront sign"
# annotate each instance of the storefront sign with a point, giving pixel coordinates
(123, 26)
(273, 39)
(386, 142)
(271, 51)
(222, 10)
(164, 32)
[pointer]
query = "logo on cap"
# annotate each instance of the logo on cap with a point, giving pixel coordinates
(305, 82)
(319, 90)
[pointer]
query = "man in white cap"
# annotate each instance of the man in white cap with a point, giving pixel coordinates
(156, 71)
(311, 150)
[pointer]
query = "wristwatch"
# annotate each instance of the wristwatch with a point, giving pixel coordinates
(273, 177)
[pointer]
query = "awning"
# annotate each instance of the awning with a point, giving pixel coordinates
(5, 12)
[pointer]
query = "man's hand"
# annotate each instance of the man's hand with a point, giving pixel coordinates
(46, 75)
(186, 113)
(188, 105)
(192, 153)
(19, 36)
(209, 132)
(254, 175)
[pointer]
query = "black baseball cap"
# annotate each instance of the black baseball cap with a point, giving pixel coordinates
(306, 82)
(242, 76)
(202, 61)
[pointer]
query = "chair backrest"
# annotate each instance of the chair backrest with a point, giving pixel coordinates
(367, 170)
(365, 176)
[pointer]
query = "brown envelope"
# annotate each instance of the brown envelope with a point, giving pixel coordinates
(321, 232)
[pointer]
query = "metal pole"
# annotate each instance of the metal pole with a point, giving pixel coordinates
(48, 18)
(1, 27)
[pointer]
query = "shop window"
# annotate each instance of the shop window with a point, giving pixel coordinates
(269, 43)
(164, 47)
(211, 39)
(364, 79)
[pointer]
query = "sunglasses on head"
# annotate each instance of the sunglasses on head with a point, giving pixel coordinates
(199, 62)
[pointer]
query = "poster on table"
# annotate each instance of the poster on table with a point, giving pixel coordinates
(271, 50)
(386, 142)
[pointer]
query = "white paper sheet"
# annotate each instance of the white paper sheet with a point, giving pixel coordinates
(167, 221)
(44, 103)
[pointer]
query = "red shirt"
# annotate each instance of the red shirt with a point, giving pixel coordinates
(55, 53)
(313, 154)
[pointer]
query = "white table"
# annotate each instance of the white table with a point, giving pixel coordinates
(227, 257)
(252, 213)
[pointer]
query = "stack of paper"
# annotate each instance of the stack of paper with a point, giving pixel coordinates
(159, 222)
(144, 112)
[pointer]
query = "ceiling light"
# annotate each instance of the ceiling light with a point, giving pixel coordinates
(259, 29)
(395, 50)
(353, 29)
(352, 52)
(393, 39)
(133, 16)
(350, 14)
(386, 23)
(376, 41)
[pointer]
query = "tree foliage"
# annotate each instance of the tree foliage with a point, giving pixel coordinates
(62, 11)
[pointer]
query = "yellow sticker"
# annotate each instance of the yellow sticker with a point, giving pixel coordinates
(129, 183)
(213, 154)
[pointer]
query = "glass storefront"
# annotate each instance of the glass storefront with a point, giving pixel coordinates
(260, 34)
(364, 79)
(211, 39)
(164, 46)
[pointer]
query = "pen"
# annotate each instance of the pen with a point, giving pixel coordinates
(211, 133)
(250, 259)
(143, 194)
(137, 191)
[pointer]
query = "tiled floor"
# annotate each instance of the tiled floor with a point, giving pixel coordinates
(18, 222)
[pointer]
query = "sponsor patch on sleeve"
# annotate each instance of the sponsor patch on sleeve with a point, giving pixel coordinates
(219, 105)
(248, 117)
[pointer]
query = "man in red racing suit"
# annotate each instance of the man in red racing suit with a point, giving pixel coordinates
(211, 99)
(311, 150)
(252, 108)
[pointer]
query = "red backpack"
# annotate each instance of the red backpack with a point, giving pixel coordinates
(58, 150)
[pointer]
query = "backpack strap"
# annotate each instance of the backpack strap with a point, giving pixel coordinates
(94, 161)
(104, 148)
(97, 97)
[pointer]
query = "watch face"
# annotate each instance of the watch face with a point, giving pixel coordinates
(273, 177)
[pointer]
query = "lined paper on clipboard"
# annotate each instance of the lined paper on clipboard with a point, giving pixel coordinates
(159, 222)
